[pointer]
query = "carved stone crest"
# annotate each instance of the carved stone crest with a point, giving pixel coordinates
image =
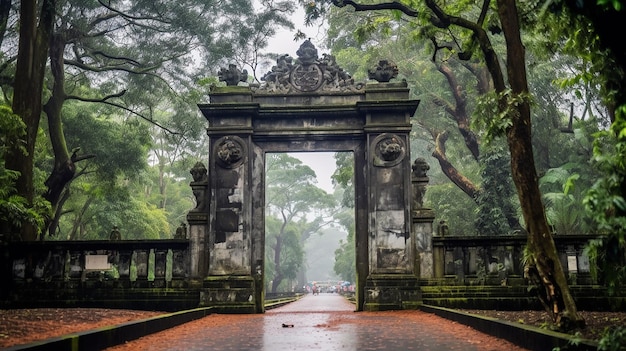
(307, 77)
(230, 151)
(308, 73)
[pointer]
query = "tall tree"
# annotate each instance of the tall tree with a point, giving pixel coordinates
(598, 21)
(512, 115)
(136, 53)
(36, 27)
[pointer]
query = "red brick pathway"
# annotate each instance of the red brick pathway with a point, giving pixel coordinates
(322, 322)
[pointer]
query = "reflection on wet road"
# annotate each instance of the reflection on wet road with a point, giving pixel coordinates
(318, 324)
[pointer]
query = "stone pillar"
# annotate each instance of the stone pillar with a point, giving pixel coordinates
(392, 282)
(229, 284)
(141, 262)
(422, 219)
(390, 241)
(160, 266)
(197, 219)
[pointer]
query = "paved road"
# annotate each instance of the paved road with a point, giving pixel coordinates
(322, 322)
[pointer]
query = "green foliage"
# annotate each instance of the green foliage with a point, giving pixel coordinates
(606, 202)
(14, 208)
(345, 256)
(615, 4)
(460, 214)
(12, 130)
(495, 112)
(613, 339)
(574, 340)
(496, 213)
(115, 188)
(344, 177)
(564, 207)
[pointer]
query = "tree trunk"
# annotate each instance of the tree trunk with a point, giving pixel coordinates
(64, 167)
(27, 95)
(278, 276)
(545, 266)
(162, 184)
(459, 111)
(5, 9)
(53, 227)
(450, 171)
(77, 231)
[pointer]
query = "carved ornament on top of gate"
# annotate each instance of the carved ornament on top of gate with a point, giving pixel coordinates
(307, 73)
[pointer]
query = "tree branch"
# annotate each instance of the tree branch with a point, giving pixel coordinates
(394, 5)
(127, 16)
(86, 67)
(120, 58)
(146, 118)
(102, 99)
(450, 171)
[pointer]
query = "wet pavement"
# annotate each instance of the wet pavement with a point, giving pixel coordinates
(320, 322)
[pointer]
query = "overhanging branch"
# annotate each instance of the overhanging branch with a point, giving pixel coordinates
(128, 16)
(394, 5)
(148, 119)
(105, 100)
(450, 171)
(102, 99)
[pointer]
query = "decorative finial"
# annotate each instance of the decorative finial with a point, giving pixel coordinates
(307, 53)
(384, 71)
(420, 167)
(232, 75)
(199, 172)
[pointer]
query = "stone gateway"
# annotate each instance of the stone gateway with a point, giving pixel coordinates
(308, 104)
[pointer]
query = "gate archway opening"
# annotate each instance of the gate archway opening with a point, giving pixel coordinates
(308, 104)
(308, 219)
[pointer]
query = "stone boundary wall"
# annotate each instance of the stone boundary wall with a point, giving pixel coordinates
(146, 273)
(498, 260)
(154, 274)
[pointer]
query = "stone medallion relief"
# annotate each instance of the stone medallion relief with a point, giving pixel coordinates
(389, 150)
(230, 151)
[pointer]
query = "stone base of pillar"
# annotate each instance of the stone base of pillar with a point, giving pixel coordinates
(392, 292)
(229, 294)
